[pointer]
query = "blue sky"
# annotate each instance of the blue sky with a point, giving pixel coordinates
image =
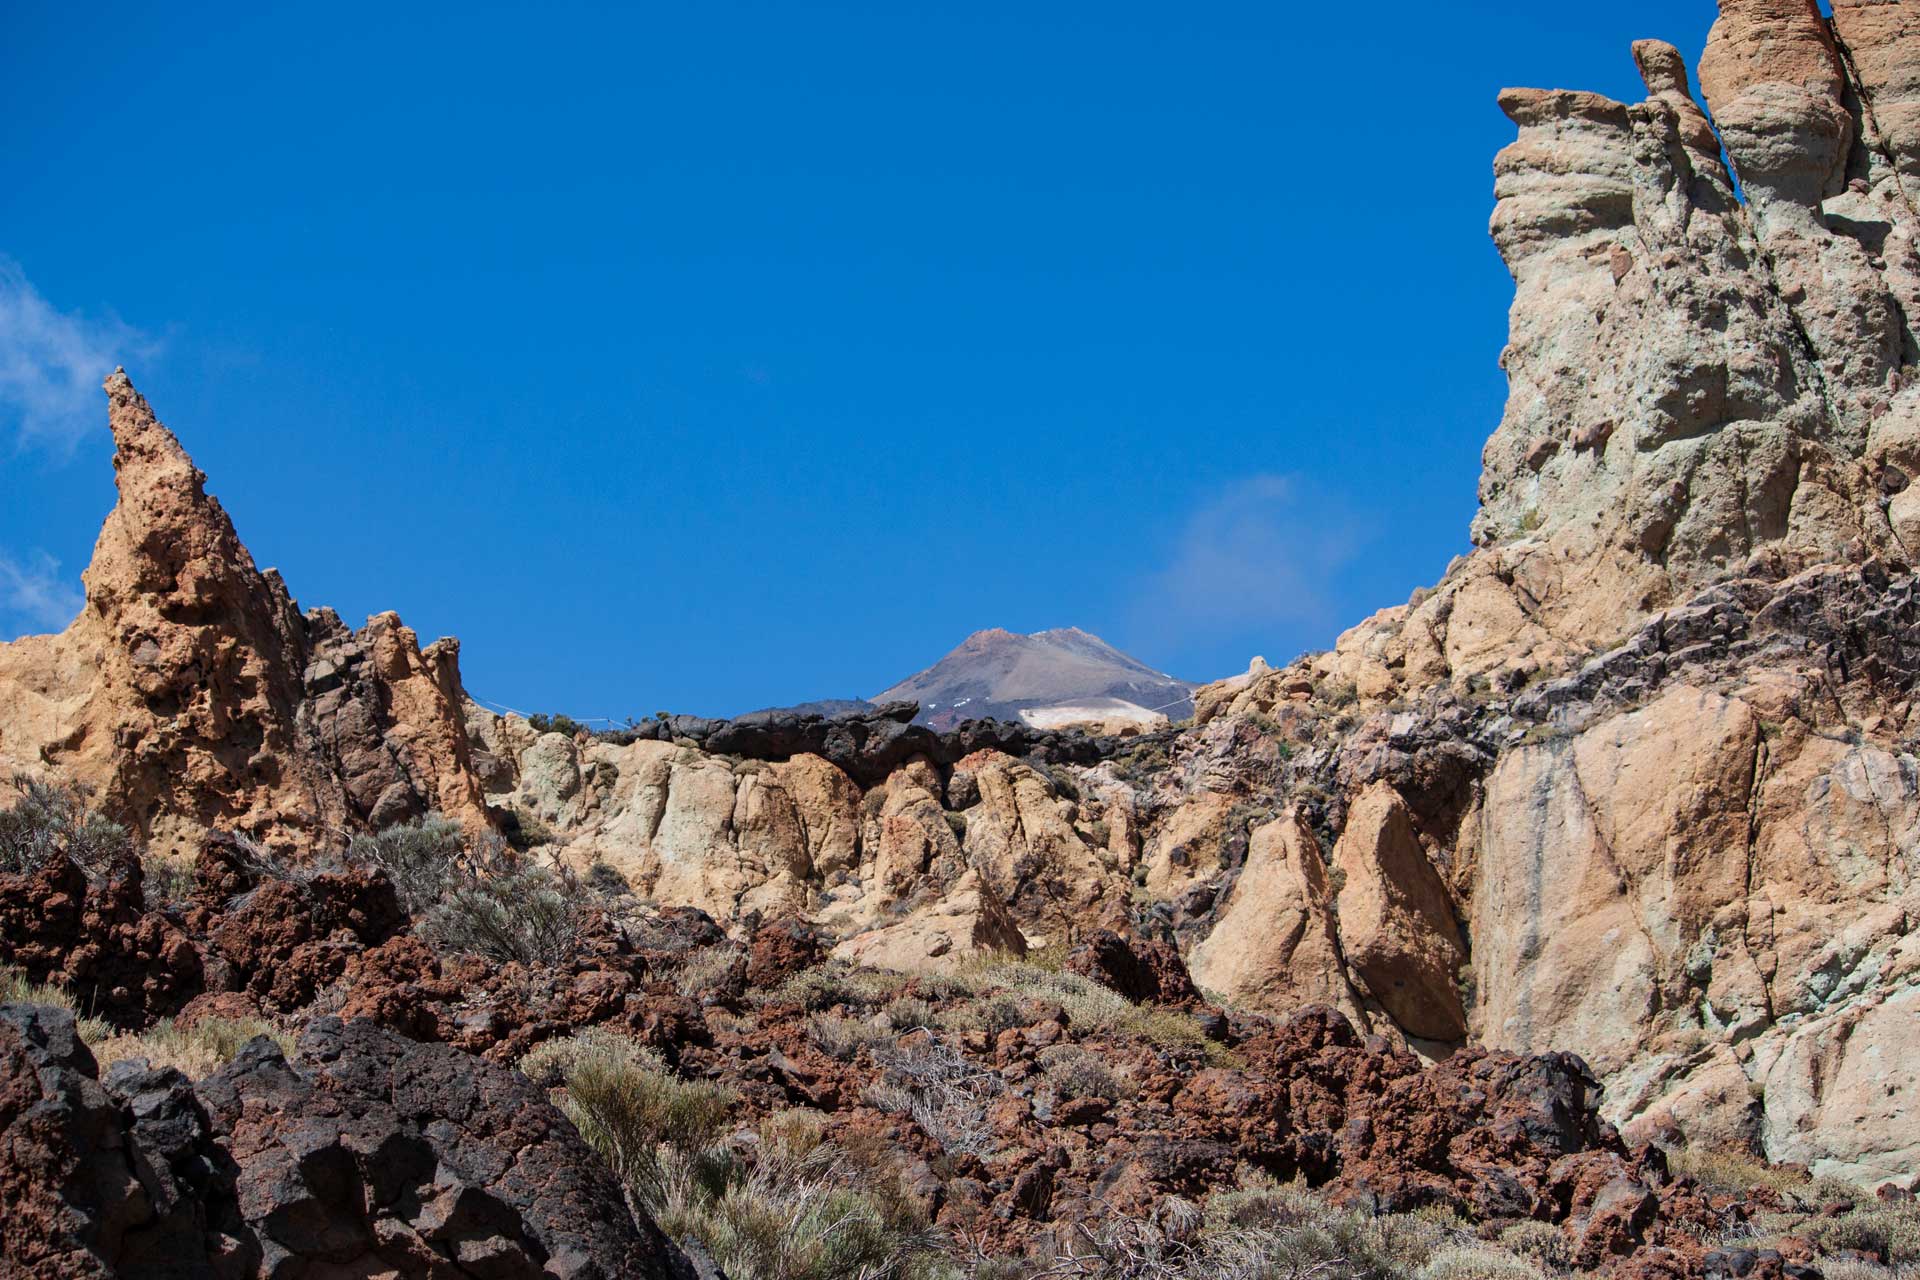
(706, 357)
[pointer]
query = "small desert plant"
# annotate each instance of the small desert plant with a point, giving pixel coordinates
(1073, 1072)
(605, 878)
(196, 1049)
(1541, 1243)
(17, 988)
(422, 858)
(709, 970)
(846, 1038)
(942, 1092)
(782, 1205)
(1891, 1234)
(1732, 1172)
(555, 723)
(53, 818)
(626, 1103)
(1477, 1262)
(165, 879)
(907, 1013)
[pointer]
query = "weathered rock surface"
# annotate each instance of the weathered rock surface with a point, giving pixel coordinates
(191, 694)
(369, 1155)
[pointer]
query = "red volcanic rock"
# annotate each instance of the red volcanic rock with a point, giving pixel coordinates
(286, 939)
(96, 938)
(372, 1153)
(781, 949)
(1145, 972)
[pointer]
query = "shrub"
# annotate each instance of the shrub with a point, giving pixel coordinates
(626, 1103)
(836, 983)
(164, 879)
(804, 1211)
(783, 1206)
(1090, 1007)
(1468, 1262)
(477, 895)
(422, 858)
(1075, 1073)
(942, 1092)
(1890, 1234)
(845, 1038)
(555, 723)
(1541, 1243)
(1728, 1171)
(709, 971)
(51, 818)
(906, 1013)
(605, 878)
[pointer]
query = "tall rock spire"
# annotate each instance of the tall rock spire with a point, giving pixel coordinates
(188, 693)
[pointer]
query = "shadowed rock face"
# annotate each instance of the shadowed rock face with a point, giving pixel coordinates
(369, 1154)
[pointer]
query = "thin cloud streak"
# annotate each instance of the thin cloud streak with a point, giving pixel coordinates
(52, 363)
(1261, 559)
(35, 596)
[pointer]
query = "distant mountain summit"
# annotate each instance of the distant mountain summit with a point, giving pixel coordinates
(1048, 679)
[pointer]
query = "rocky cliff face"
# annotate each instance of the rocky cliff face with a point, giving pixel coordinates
(1654, 734)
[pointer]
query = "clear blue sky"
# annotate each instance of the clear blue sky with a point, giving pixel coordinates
(705, 357)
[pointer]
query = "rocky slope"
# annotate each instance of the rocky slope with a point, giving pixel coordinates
(1020, 1109)
(1635, 780)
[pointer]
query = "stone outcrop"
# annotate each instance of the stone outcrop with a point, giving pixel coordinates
(191, 695)
(368, 1154)
(1275, 944)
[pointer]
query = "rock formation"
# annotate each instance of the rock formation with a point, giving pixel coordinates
(368, 1155)
(1636, 780)
(191, 695)
(1653, 735)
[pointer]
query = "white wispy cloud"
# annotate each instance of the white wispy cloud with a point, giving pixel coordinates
(34, 595)
(1263, 555)
(52, 362)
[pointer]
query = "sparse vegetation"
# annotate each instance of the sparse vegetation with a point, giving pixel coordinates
(945, 1095)
(847, 1038)
(555, 723)
(477, 895)
(46, 819)
(196, 1049)
(1074, 1072)
(783, 1205)
(17, 988)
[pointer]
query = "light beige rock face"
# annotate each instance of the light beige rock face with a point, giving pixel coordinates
(1275, 946)
(185, 693)
(1880, 40)
(735, 838)
(1688, 878)
(966, 921)
(1396, 923)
